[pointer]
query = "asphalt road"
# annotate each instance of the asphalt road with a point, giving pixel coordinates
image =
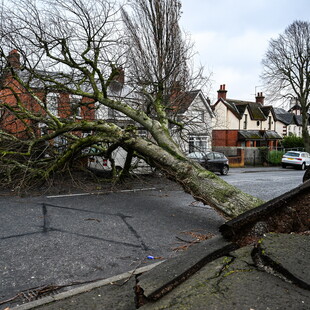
(265, 183)
(70, 240)
(75, 239)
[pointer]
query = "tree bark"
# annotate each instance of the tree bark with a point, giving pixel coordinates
(203, 185)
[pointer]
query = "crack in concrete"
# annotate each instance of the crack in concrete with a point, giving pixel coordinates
(266, 264)
(227, 262)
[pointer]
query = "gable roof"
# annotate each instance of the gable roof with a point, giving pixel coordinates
(287, 118)
(187, 99)
(298, 119)
(257, 111)
(230, 106)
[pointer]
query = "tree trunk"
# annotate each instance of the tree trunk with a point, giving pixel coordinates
(203, 185)
(306, 138)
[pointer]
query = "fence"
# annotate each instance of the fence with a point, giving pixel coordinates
(241, 156)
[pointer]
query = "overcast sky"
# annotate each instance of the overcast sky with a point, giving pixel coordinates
(231, 38)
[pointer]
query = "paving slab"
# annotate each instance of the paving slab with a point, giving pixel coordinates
(170, 273)
(288, 254)
(234, 282)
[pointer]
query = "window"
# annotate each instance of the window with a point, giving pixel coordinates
(199, 143)
(245, 122)
(60, 143)
(210, 156)
(198, 115)
(218, 155)
(75, 102)
(52, 101)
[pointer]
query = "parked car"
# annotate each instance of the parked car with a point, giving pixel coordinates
(197, 156)
(212, 161)
(102, 164)
(299, 160)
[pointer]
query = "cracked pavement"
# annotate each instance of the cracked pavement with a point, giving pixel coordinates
(275, 276)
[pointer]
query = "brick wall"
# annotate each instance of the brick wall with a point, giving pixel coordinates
(11, 124)
(225, 138)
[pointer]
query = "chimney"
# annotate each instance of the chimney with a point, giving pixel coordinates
(120, 76)
(221, 93)
(118, 80)
(14, 59)
(260, 98)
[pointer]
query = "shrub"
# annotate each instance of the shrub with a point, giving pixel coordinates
(292, 141)
(274, 157)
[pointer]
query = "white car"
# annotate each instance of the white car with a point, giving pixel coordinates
(296, 159)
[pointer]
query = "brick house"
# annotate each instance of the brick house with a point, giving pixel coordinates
(244, 123)
(35, 104)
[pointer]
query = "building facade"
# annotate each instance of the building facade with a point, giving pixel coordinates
(244, 123)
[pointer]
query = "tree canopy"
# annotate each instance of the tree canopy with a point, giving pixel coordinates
(77, 52)
(287, 69)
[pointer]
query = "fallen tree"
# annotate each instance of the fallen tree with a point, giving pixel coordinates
(76, 53)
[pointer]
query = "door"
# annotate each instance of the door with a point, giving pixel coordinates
(209, 163)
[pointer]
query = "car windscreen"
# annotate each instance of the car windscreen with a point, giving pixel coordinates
(195, 155)
(210, 156)
(292, 154)
(218, 155)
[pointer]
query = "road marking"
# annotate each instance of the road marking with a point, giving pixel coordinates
(102, 193)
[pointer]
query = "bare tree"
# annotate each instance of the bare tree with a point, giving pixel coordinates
(287, 69)
(75, 50)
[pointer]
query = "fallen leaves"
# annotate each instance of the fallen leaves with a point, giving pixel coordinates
(195, 237)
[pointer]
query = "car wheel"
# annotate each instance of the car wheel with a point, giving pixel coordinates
(283, 165)
(118, 168)
(225, 170)
(303, 166)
